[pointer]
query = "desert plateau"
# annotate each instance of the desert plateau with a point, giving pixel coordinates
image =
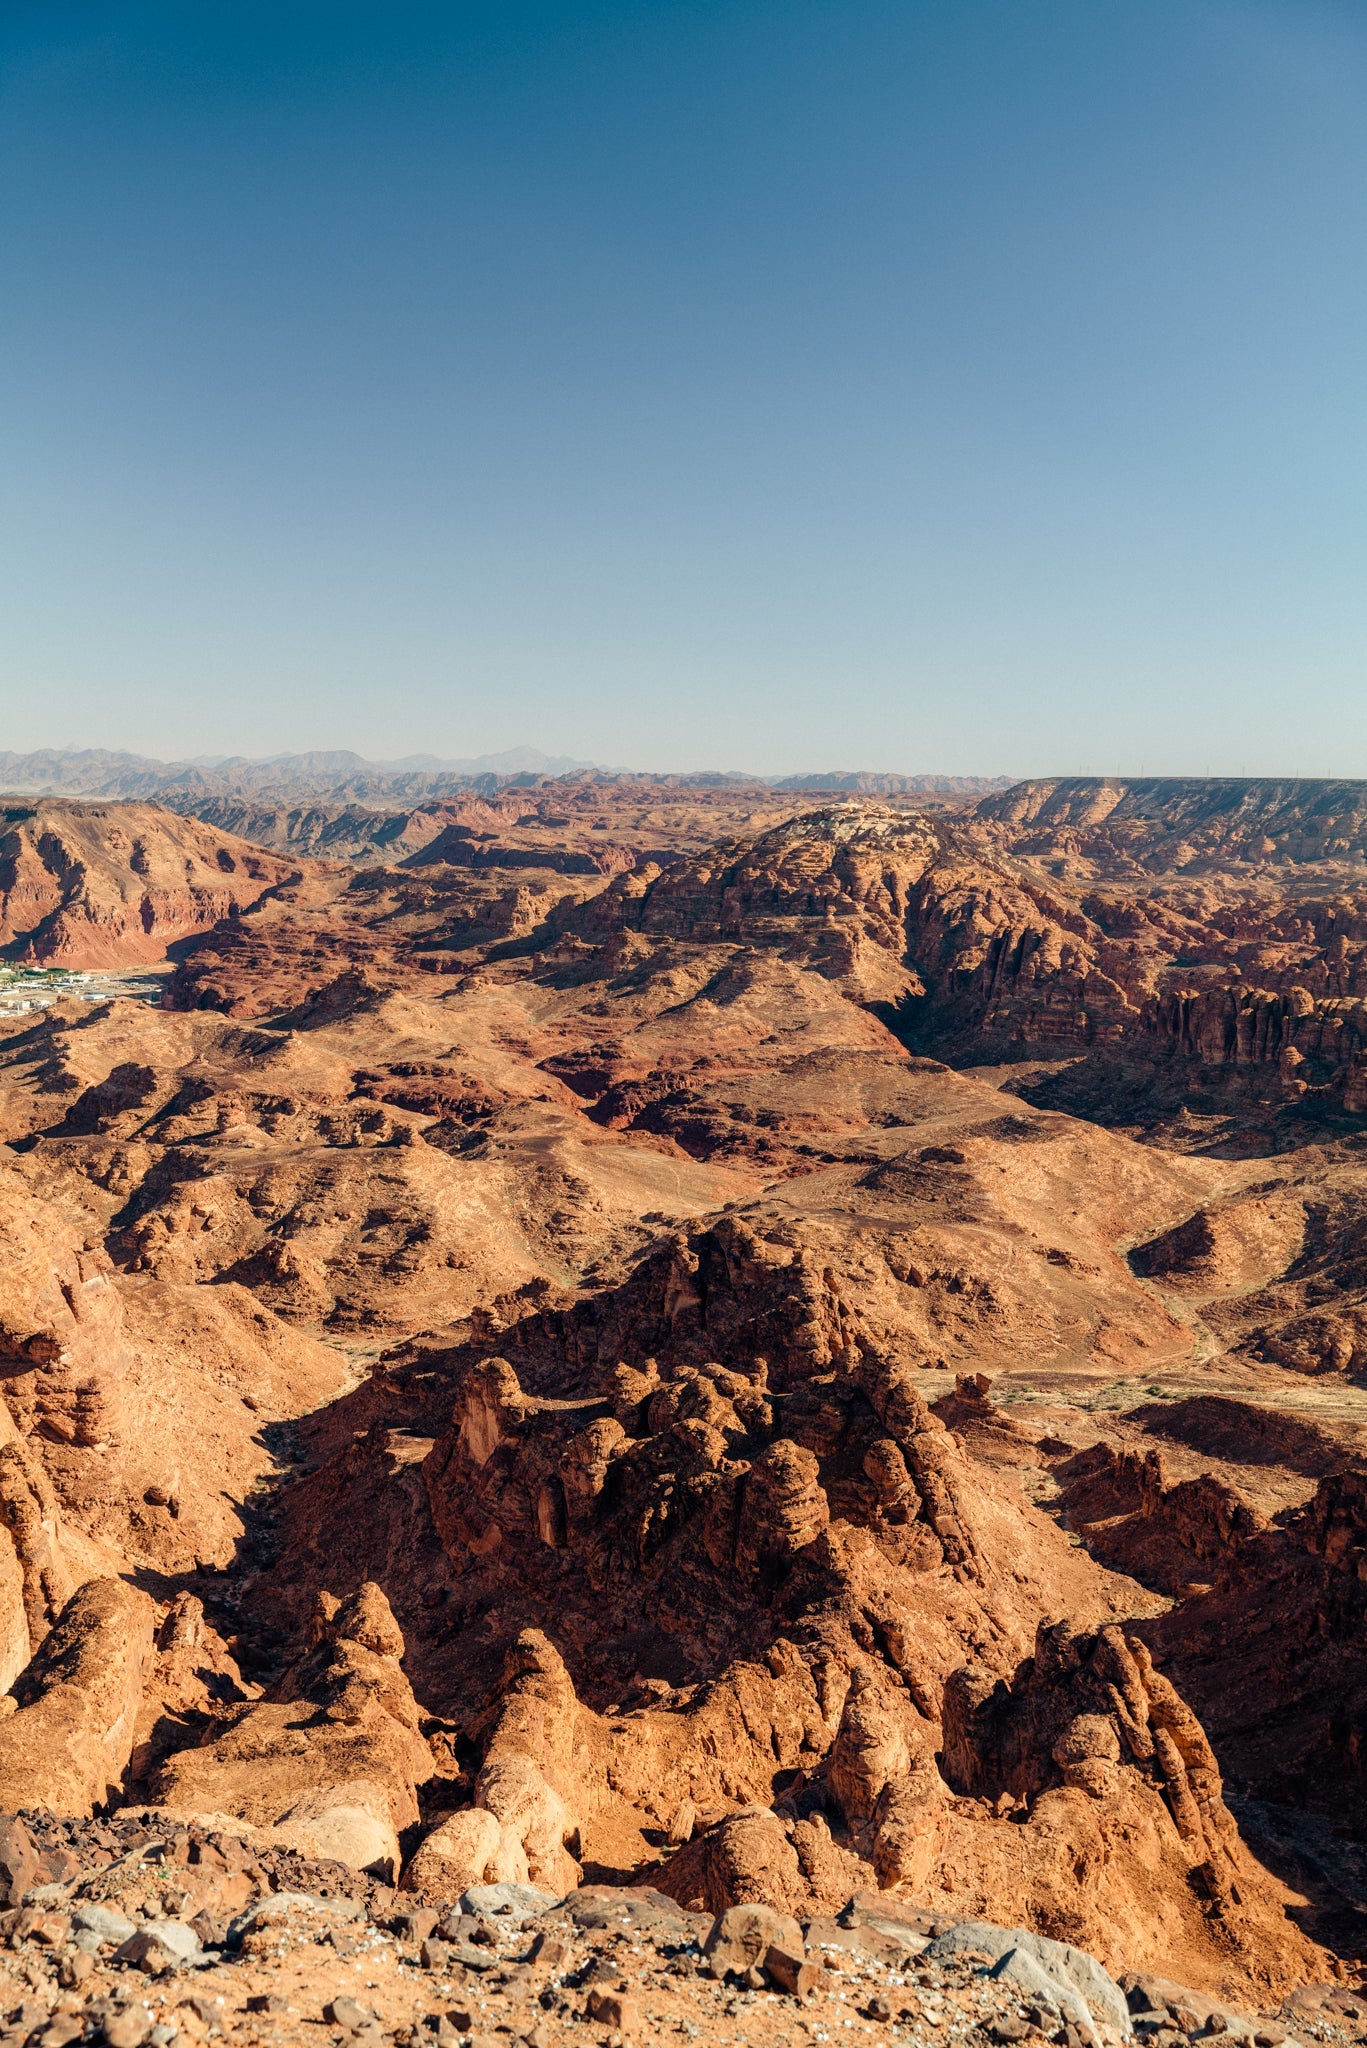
(640, 1408)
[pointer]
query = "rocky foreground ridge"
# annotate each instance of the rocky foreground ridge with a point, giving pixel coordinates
(626, 1397)
(159, 1933)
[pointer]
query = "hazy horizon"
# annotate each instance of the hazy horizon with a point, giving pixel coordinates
(508, 760)
(784, 383)
(516, 761)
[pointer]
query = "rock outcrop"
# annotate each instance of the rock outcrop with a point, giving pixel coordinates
(527, 1778)
(67, 1743)
(1172, 1535)
(1282, 1621)
(62, 1340)
(1166, 824)
(331, 1759)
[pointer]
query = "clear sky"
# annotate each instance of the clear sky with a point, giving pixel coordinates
(969, 385)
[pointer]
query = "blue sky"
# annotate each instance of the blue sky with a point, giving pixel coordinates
(773, 384)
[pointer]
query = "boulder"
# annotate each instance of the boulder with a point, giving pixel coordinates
(162, 1945)
(516, 1902)
(469, 1848)
(18, 1860)
(742, 1936)
(348, 1824)
(1071, 1974)
(747, 1859)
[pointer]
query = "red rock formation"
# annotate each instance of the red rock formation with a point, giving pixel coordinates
(1089, 1743)
(112, 885)
(67, 1743)
(1169, 1536)
(1166, 824)
(665, 1253)
(331, 1760)
(1272, 1659)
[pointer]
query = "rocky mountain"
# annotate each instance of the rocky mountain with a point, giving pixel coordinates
(342, 777)
(1187, 825)
(755, 1376)
(1184, 954)
(969, 788)
(98, 772)
(108, 885)
(576, 824)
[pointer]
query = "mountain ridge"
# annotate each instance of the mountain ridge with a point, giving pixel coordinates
(100, 772)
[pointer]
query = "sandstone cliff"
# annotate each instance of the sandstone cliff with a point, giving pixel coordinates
(111, 885)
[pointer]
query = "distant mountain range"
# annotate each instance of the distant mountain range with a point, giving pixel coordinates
(341, 776)
(341, 761)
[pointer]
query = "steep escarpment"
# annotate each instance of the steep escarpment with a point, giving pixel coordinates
(1211, 934)
(1166, 824)
(1271, 1656)
(1255, 1005)
(100, 885)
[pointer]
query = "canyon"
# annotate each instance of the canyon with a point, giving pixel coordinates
(680, 1347)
